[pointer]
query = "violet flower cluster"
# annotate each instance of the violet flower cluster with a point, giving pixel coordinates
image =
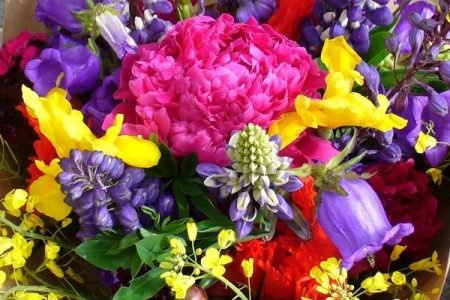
(256, 179)
(105, 193)
(349, 18)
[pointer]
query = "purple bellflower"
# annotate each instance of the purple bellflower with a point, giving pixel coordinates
(357, 223)
(56, 12)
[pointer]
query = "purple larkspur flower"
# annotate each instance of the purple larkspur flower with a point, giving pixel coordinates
(357, 223)
(56, 12)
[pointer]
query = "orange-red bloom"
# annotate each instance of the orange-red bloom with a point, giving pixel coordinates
(282, 265)
(289, 16)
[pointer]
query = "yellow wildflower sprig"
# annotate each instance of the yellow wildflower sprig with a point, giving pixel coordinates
(211, 264)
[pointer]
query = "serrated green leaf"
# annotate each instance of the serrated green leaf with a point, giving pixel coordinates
(143, 287)
(182, 201)
(188, 165)
(96, 251)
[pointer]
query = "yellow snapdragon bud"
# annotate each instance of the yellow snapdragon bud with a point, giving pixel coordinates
(247, 266)
(192, 231)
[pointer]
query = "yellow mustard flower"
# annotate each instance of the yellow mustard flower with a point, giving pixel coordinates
(428, 264)
(424, 142)
(192, 231)
(74, 276)
(52, 296)
(247, 266)
(421, 296)
(17, 275)
(51, 250)
(331, 267)
(5, 244)
(65, 129)
(4, 232)
(339, 106)
(20, 252)
(14, 200)
(2, 278)
(436, 175)
(226, 238)
(321, 278)
(54, 268)
(397, 251)
(178, 283)
(177, 246)
(31, 222)
(375, 284)
(215, 262)
(398, 278)
(22, 295)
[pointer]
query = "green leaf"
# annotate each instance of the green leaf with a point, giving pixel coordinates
(182, 202)
(167, 166)
(188, 187)
(175, 227)
(378, 51)
(188, 165)
(143, 287)
(136, 264)
(149, 247)
(129, 240)
(96, 251)
(205, 206)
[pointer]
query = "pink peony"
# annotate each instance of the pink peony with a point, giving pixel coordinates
(208, 78)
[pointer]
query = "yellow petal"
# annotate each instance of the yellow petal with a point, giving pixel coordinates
(424, 142)
(50, 198)
(338, 56)
(53, 169)
(288, 128)
(137, 152)
(341, 83)
(398, 249)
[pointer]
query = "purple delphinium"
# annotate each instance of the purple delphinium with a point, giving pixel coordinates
(357, 223)
(102, 102)
(105, 193)
(70, 57)
(56, 12)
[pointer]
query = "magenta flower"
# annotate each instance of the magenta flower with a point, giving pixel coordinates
(209, 77)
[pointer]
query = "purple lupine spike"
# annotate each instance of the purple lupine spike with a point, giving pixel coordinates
(357, 223)
(166, 205)
(381, 16)
(103, 219)
(128, 217)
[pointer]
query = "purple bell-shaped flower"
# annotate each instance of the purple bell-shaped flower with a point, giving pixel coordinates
(357, 223)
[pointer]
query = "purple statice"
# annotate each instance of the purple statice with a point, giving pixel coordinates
(107, 194)
(352, 19)
(102, 102)
(357, 223)
(61, 13)
(71, 58)
(256, 180)
(243, 10)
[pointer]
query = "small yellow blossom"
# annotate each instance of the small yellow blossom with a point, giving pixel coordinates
(4, 232)
(74, 276)
(51, 250)
(424, 142)
(398, 250)
(66, 222)
(31, 204)
(177, 246)
(198, 251)
(166, 265)
(331, 267)
(226, 238)
(215, 262)
(2, 278)
(436, 175)
(21, 295)
(428, 264)
(420, 296)
(398, 278)
(414, 282)
(14, 200)
(178, 283)
(192, 231)
(375, 284)
(54, 268)
(31, 222)
(247, 266)
(321, 278)
(17, 275)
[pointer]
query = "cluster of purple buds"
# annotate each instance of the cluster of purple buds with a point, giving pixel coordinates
(149, 27)
(105, 193)
(256, 180)
(243, 10)
(350, 18)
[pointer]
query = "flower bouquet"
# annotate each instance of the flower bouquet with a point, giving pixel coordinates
(260, 149)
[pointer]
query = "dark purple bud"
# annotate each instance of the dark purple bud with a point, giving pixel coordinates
(264, 9)
(319, 9)
(107, 164)
(392, 43)
(371, 77)
(338, 4)
(416, 37)
(235, 213)
(161, 7)
(140, 36)
(99, 196)
(336, 30)
(96, 158)
(208, 169)
(428, 24)
(444, 70)
(156, 28)
(381, 16)
(117, 169)
(354, 14)
(132, 177)
(76, 191)
(66, 178)
(312, 36)
(128, 218)
(67, 165)
(415, 19)
(434, 52)
(438, 103)
(246, 11)
(165, 205)
(385, 138)
(292, 185)
(103, 218)
(76, 156)
(359, 38)
(391, 153)
(284, 209)
(120, 193)
(243, 228)
(138, 198)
